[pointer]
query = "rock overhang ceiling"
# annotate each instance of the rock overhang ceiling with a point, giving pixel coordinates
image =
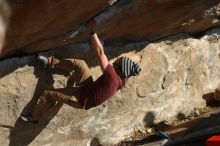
(43, 25)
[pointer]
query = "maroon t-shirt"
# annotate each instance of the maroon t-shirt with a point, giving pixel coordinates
(102, 89)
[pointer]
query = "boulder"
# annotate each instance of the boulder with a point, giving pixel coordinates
(43, 25)
(38, 21)
(176, 73)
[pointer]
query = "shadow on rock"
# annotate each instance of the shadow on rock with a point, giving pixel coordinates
(210, 101)
(205, 122)
(24, 133)
(149, 119)
(10, 65)
(95, 142)
(45, 81)
(198, 131)
(149, 122)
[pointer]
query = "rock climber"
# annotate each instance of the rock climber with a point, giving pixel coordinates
(86, 93)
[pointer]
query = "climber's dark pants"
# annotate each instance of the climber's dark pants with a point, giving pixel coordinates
(68, 95)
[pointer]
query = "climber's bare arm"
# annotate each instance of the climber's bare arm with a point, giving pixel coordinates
(97, 46)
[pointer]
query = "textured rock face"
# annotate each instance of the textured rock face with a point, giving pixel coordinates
(44, 25)
(37, 21)
(176, 73)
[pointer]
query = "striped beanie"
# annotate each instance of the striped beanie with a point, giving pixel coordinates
(129, 67)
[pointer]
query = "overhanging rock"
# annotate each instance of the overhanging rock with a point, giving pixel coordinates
(42, 25)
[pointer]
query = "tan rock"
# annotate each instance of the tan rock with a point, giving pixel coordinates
(176, 74)
(42, 25)
(39, 21)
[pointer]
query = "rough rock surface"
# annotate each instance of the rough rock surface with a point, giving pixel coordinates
(41, 25)
(37, 21)
(177, 73)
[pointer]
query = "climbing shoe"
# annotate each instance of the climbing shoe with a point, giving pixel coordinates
(28, 119)
(43, 60)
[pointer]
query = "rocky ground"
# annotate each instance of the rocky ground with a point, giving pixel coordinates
(175, 127)
(171, 124)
